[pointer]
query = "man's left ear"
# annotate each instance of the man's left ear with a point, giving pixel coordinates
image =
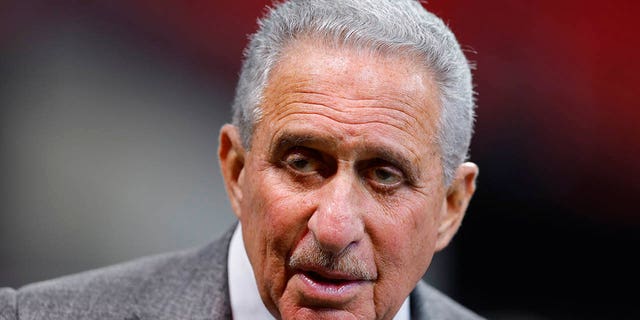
(456, 202)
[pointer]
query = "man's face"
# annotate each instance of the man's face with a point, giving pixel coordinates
(341, 196)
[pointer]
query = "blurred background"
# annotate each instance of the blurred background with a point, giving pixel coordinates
(110, 110)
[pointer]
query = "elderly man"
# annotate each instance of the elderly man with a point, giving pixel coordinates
(344, 165)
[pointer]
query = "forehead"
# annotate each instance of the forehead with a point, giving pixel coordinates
(355, 73)
(311, 66)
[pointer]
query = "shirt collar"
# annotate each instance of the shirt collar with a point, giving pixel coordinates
(243, 290)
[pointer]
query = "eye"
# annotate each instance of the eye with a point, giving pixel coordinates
(303, 161)
(385, 177)
(300, 164)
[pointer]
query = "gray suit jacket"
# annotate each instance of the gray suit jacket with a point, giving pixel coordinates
(186, 285)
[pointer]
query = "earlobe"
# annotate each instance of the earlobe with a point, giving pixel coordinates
(231, 155)
(457, 200)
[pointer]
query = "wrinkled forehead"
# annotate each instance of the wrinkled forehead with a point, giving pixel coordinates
(346, 73)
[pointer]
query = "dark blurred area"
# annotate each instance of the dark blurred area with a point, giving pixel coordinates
(110, 110)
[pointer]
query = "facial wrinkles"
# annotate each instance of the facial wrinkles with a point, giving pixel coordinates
(349, 147)
(396, 267)
(344, 77)
(362, 115)
(417, 155)
(352, 118)
(394, 108)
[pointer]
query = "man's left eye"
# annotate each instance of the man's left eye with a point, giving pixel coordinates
(385, 176)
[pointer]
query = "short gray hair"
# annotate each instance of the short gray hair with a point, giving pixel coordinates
(390, 26)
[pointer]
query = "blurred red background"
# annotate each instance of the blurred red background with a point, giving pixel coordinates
(555, 222)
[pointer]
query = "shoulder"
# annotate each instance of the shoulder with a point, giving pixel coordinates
(181, 285)
(429, 303)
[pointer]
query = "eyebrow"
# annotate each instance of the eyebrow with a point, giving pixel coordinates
(288, 140)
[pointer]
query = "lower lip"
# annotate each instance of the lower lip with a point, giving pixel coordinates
(329, 292)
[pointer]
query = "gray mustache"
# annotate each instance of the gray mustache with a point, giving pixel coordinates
(311, 253)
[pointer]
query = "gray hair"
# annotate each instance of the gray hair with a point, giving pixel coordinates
(388, 26)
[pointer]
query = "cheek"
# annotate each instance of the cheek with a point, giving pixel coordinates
(273, 221)
(406, 239)
(277, 214)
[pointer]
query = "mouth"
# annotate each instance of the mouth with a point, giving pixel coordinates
(329, 288)
(329, 279)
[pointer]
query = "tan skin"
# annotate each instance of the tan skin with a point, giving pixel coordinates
(343, 157)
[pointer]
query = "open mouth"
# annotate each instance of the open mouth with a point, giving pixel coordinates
(326, 288)
(320, 279)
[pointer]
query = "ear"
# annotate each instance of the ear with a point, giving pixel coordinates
(231, 155)
(458, 196)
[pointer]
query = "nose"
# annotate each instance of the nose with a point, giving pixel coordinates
(337, 222)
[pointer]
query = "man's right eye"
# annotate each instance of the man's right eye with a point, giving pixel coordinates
(302, 162)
